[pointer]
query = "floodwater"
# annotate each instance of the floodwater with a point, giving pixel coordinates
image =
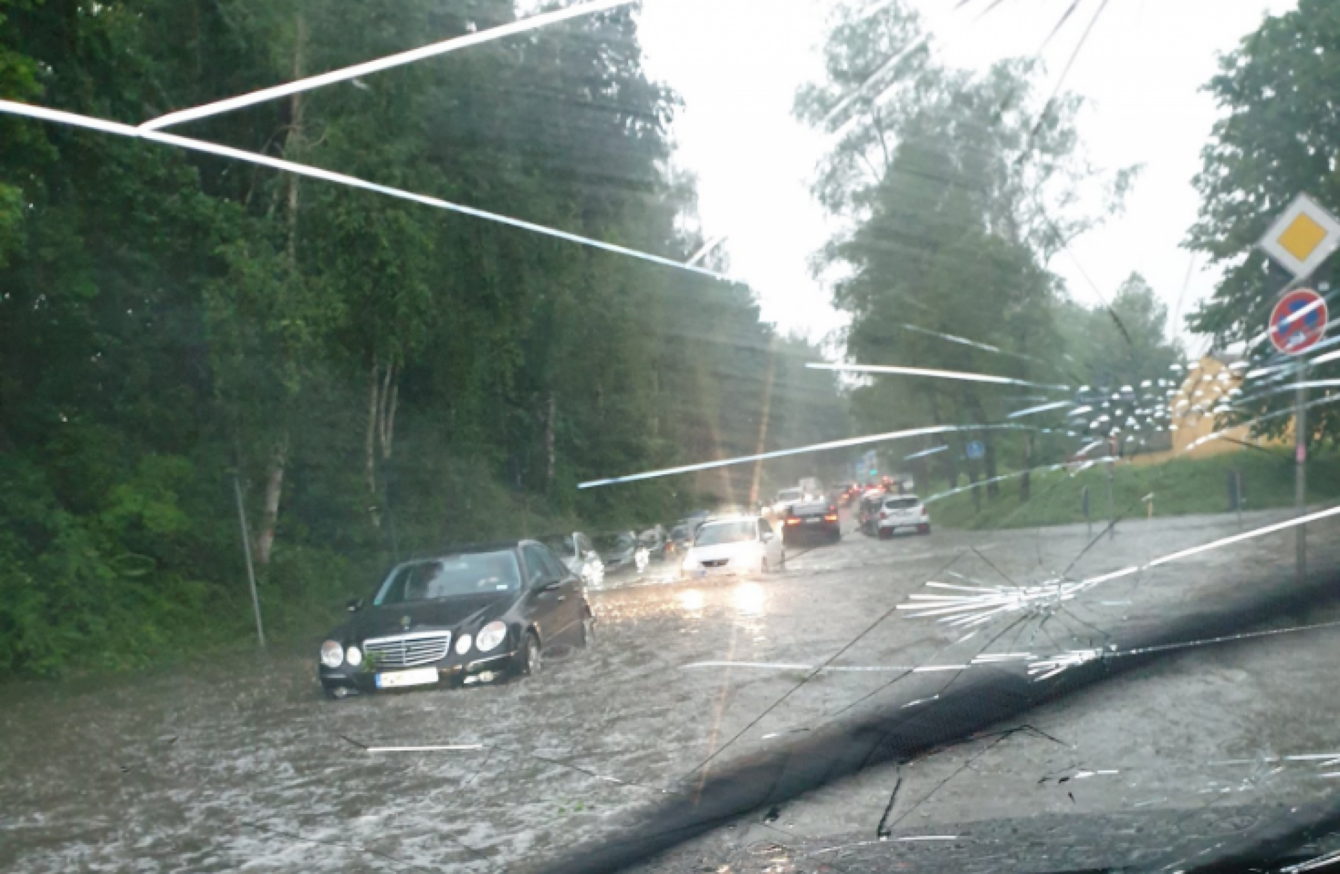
(243, 765)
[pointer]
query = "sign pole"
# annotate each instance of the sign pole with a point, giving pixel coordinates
(1300, 240)
(1300, 468)
(246, 552)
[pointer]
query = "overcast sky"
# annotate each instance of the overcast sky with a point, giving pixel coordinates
(737, 64)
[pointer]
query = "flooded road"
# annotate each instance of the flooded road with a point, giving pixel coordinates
(244, 766)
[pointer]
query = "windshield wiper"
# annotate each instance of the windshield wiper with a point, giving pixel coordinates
(886, 733)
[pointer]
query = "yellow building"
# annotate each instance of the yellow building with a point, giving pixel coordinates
(1210, 386)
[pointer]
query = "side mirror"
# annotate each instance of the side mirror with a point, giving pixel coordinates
(354, 605)
(768, 536)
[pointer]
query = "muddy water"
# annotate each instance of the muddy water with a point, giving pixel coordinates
(244, 766)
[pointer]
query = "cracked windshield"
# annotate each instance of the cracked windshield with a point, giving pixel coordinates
(669, 436)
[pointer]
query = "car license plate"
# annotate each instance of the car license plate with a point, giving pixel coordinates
(813, 521)
(416, 677)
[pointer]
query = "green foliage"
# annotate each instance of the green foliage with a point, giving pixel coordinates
(1180, 487)
(1109, 347)
(382, 377)
(956, 190)
(1277, 137)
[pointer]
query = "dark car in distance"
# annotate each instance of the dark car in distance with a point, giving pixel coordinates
(812, 520)
(469, 615)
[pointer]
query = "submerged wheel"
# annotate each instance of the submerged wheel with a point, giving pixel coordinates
(528, 659)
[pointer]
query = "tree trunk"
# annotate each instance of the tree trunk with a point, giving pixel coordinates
(370, 447)
(293, 139)
(386, 407)
(549, 441)
(274, 486)
(274, 480)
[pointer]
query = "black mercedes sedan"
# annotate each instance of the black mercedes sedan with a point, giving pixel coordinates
(470, 615)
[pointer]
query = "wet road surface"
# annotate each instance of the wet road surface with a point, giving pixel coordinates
(245, 767)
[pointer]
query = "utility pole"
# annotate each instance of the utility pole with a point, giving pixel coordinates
(246, 552)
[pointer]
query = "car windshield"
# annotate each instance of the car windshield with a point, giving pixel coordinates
(717, 533)
(329, 322)
(451, 576)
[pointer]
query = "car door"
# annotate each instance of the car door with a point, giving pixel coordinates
(545, 600)
(569, 593)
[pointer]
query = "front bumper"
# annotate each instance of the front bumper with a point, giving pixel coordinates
(453, 670)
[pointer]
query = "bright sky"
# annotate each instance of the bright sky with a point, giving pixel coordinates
(737, 64)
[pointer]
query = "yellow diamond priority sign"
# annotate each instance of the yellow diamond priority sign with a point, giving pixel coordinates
(1302, 237)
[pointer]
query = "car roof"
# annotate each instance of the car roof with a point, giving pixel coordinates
(736, 518)
(466, 549)
(904, 497)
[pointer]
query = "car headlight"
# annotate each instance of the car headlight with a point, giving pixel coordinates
(463, 644)
(490, 636)
(354, 656)
(332, 654)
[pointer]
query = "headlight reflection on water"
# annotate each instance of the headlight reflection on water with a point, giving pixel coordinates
(691, 601)
(749, 599)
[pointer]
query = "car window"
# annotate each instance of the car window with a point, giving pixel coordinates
(717, 533)
(449, 576)
(537, 568)
(901, 503)
(764, 527)
(553, 568)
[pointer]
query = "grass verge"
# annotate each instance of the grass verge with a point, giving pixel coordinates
(1179, 487)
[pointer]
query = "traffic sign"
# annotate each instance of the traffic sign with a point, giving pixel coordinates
(1302, 237)
(1298, 321)
(975, 449)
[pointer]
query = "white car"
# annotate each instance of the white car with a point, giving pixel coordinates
(903, 511)
(735, 545)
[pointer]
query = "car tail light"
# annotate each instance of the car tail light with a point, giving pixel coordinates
(832, 509)
(792, 521)
(883, 514)
(831, 517)
(923, 510)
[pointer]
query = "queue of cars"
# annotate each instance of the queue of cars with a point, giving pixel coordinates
(479, 614)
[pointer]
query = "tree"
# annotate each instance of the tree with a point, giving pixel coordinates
(1277, 138)
(957, 191)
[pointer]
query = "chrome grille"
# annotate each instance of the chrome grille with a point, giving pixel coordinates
(403, 650)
